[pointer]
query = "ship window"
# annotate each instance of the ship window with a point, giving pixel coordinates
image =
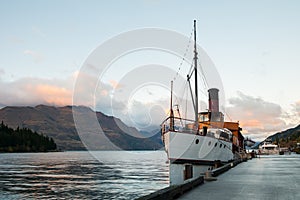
(216, 144)
(224, 146)
(197, 141)
(209, 143)
(220, 145)
(224, 135)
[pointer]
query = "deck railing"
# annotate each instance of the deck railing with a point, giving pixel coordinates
(179, 124)
(176, 124)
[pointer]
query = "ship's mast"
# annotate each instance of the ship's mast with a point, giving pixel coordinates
(171, 110)
(196, 79)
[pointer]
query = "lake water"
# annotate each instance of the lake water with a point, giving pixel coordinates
(81, 175)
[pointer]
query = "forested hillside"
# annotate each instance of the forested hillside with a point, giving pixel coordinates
(24, 140)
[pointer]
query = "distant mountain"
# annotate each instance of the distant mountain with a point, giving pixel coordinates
(155, 135)
(58, 123)
(287, 138)
(256, 145)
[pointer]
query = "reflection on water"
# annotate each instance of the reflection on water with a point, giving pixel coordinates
(78, 175)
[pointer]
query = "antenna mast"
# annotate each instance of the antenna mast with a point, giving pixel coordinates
(196, 79)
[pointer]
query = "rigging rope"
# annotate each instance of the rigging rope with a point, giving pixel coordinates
(184, 55)
(228, 116)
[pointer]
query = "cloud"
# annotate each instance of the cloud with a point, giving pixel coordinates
(52, 94)
(111, 98)
(34, 91)
(257, 117)
(114, 84)
(143, 115)
(37, 57)
(58, 92)
(293, 117)
(296, 108)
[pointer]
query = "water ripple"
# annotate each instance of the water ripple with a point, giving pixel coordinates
(77, 175)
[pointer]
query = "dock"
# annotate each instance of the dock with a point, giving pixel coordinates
(267, 177)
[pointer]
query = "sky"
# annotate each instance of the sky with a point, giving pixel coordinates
(254, 46)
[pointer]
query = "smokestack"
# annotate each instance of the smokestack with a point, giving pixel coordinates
(213, 100)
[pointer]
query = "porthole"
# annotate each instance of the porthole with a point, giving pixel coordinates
(216, 144)
(220, 145)
(197, 141)
(224, 146)
(209, 143)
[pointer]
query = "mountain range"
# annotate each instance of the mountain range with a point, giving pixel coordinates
(58, 123)
(288, 138)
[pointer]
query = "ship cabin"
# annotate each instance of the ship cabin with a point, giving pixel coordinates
(215, 120)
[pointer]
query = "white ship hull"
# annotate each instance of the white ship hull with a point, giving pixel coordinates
(267, 148)
(196, 149)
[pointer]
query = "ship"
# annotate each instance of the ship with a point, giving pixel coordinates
(195, 146)
(268, 148)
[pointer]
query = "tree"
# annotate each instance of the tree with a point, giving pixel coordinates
(24, 140)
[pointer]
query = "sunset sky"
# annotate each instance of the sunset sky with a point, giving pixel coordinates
(254, 45)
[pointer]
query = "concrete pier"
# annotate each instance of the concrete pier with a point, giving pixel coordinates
(267, 177)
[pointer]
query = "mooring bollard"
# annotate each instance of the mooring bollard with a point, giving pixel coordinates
(208, 176)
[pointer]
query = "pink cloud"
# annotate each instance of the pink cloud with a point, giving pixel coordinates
(257, 117)
(34, 91)
(115, 84)
(54, 94)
